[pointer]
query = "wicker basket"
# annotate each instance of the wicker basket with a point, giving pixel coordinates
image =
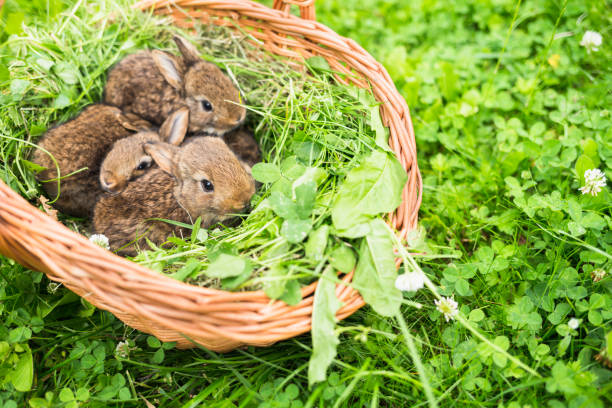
(175, 311)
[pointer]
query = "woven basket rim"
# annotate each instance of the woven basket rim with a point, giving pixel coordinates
(85, 267)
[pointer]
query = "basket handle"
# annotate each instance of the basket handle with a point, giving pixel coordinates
(307, 8)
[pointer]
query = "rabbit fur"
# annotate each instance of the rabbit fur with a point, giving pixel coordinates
(153, 84)
(201, 178)
(81, 143)
(127, 159)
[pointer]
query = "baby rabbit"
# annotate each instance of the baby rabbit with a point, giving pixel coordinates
(127, 159)
(202, 178)
(153, 84)
(243, 144)
(78, 144)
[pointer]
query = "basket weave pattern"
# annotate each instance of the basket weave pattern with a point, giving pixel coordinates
(175, 311)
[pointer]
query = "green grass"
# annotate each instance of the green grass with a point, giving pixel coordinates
(503, 137)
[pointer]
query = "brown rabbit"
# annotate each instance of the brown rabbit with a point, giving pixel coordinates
(153, 84)
(127, 159)
(81, 143)
(243, 144)
(202, 178)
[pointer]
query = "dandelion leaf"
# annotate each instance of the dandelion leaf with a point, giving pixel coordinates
(369, 189)
(376, 273)
(324, 337)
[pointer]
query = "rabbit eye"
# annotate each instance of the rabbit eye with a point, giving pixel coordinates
(207, 185)
(206, 105)
(144, 164)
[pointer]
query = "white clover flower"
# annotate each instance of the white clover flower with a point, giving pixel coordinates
(52, 287)
(598, 274)
(101, 240)
(591, 40)
(594, 180)
(573, 323)
(410, 281)
(448, 307)
(123, 349)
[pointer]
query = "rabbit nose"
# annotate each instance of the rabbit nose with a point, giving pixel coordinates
(108, 186)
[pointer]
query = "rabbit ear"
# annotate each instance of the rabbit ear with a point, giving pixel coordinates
(168, 68)
(189, 52)
(174, 128)
(164, 155)
(133, 122)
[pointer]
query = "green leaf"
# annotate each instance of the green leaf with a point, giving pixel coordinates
(282, 205)
(38, 403)
(498, 358)
(318, 63)
(61, 101)
(45, 63)
(293, 293)
(234, 282)
(592, 220)
(291, 168)
(88, 361)
(324, 337)
(35, 168)
(226, 266)
(589, 147)
(305, 195)
(13, 23)
(376, 272)
(66, 395)
(382, 133)
(82, 394)
(266, 172)
(274, 283)
(191, 267)
(153, 342)
(448, 80)
(369, 189)
(595, 317)
(583, 164)
(19, 87)
(310, 174)
(68, 73)
(463, 287)
(158, 356)
(22, 375)
(342, 258)
(317, 242)
(19, 334)
(476, 315)
(295, 230)
(5, 75)
(124, 393)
